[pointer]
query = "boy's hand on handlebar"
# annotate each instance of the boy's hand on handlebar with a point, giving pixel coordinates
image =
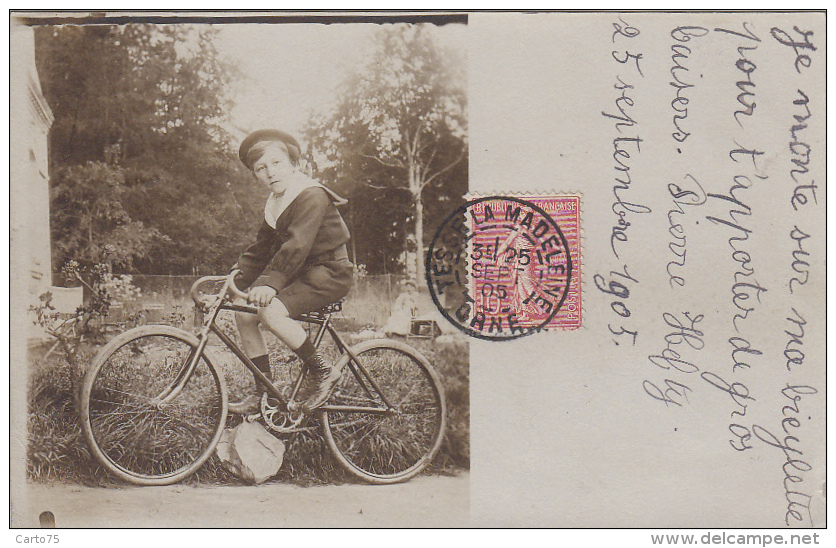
(262, 295)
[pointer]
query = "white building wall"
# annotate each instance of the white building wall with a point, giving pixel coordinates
(29, 170)
(30, 119)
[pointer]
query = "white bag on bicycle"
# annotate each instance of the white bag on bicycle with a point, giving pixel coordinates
(250, 452)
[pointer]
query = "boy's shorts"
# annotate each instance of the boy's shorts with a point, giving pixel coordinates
(317, 286)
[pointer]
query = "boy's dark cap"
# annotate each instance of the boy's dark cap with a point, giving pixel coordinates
(265, 135)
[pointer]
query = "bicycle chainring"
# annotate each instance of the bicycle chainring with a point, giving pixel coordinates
(280, 421)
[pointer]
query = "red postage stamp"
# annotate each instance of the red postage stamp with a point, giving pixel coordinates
(501, 267)
(521, 270)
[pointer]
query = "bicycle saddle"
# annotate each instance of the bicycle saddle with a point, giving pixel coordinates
(327, 309)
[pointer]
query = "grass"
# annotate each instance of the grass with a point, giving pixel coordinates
(57, 450)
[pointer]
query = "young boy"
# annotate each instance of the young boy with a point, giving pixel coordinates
(302, 239)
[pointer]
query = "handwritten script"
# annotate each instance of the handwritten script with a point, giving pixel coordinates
(735, 229)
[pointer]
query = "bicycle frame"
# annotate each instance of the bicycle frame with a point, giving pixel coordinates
(324, 323)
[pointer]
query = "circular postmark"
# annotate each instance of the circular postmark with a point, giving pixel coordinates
(499, 268)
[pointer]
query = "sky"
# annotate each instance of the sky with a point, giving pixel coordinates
(290, 69)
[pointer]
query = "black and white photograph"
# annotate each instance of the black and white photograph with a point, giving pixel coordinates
(227, 282)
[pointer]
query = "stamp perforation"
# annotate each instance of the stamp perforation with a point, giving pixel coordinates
(522, 266)
(530, 194)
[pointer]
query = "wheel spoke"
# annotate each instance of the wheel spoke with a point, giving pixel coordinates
(390, 446)
(144, 443)
(131, 394)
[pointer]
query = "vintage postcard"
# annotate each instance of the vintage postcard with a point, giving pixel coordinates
(454, 269)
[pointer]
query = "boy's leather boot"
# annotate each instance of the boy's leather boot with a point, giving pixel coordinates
(252, 403)
(323, 379)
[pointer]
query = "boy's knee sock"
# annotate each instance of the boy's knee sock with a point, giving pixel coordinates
(306, 350)
(263, 365)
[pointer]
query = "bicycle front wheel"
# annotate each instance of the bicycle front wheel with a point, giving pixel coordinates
(128, 431)
(399, 440)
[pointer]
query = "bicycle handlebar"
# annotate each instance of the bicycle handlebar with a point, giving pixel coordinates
(232, 288)
(228, 287)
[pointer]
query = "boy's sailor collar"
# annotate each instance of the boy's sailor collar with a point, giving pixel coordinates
(277, 204)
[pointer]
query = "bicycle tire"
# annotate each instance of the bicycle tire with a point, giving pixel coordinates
(147, 444)
(387, 448)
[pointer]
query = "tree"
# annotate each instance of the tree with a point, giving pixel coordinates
(139, 157)
(89, 222)
(399, 127)
(130, 89)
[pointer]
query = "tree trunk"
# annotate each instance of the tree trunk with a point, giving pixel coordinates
(353, 234)
(419, 238)
(415, 187)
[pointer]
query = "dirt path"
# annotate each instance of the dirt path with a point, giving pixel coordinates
(425, 501)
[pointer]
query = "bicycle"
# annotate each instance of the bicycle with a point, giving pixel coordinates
(154, 401)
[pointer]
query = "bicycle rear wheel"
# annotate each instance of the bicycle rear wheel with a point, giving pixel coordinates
(396, 444)
(127, 431)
